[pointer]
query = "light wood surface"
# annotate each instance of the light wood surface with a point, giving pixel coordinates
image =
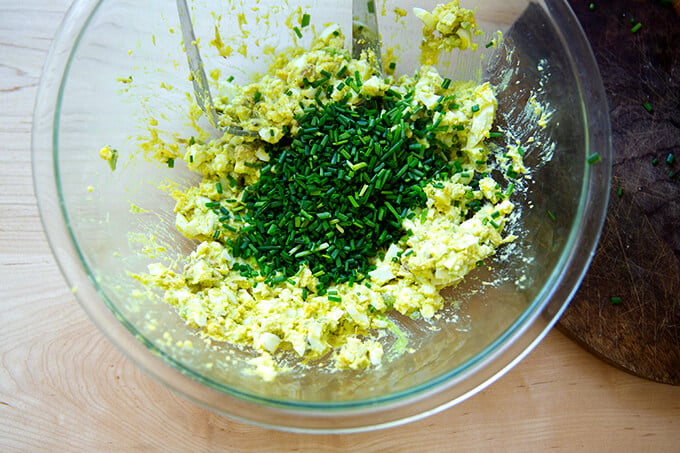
(64, 387)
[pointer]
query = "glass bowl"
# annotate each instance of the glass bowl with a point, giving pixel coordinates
(116, 63)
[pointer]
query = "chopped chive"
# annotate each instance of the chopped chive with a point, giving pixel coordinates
(113, 160)
(594, 158)
(489, 44)
(171, 162)
(648, 106)
(636, 27)
(496, 134)
(475, 108)
(257, 96)
(619, 192)
(615, 300)
(670, 158)
(446, 83)
(591, 6)
(297, 32)
(551, 215)
(305, 20)
(370, 6)
(218, 187)
(655, 161)
(230, 79)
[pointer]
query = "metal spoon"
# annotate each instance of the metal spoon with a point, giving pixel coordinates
(365, 35)
(200, 81)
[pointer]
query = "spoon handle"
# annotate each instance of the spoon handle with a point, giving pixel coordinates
(198, 78)
(365, 35)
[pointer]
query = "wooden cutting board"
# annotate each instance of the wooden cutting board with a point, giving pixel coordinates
(627, 310)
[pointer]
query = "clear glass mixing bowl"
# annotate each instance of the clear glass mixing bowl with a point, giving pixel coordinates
(102, 81)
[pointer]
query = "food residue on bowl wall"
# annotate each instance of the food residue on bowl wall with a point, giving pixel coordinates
(361, 197)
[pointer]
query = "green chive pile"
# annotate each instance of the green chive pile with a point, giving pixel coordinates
(334, 195)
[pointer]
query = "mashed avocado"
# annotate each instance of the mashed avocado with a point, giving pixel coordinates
(361, 196)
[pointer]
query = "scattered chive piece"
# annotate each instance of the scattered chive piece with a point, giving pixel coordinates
(489, 44)
(670, 158)
(496, 134)
(509, 190)
(636, 27)
(551, 215)
(305, 20)
(392, 65)
(480, 263)
(619, 192)
(171, 162)
(297, 32)
(648, 106)
(615, 300)
(655, 161)
(367, 143)
(446, 83)
(370, 6)
(257, 96)
(218, 187)
(113, 160)
(591, 7)
(475, 108)
(230, 78)
(594, 158)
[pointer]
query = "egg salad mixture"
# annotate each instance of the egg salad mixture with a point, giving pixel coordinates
(361, 196)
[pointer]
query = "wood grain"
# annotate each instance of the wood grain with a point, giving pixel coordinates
(638, 259)
(63, 387)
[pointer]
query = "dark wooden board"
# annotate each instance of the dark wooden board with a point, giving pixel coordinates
(638, 258)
